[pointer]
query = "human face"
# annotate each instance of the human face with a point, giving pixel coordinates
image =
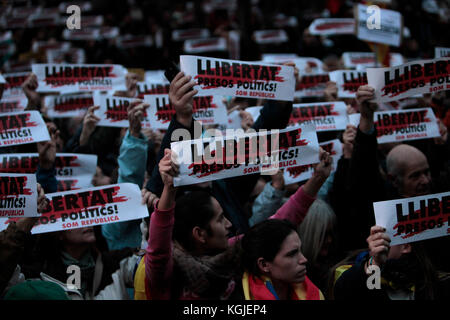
(100, 179)
(416, 178)
(79, 236)
(289, 265)
(217, 238)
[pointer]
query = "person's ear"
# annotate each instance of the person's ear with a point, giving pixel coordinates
(199, 235)
(263, 265)
(406, 248)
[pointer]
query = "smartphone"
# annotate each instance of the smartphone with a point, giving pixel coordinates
(171, 70)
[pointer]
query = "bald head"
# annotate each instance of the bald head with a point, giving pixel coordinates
(409, 170)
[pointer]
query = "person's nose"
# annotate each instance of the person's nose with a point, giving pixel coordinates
(302, 259)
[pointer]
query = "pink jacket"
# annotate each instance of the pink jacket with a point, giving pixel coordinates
(158, 257)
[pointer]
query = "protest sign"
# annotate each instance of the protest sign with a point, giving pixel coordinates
(13, 104)
(13, 85)
(66, 164)
(332, 26)
(246, 153)
(401, 125)
(181, 35)
(48, 45)
(90, 207)
(441, 52)
(311, 86)
(270, 36)
(205, 45)
(414, 219)
(113, 111)
(388, 31)
(22, 127)
(239, 78)
(348, 82)
(326, 116)
(144, 88)
(206, 109)
(368, 59)
(305, 65)
(82, 34)
(68, 105)
(18, 195)
(133, 41)
(409, 79)
(79, 77)
(302, 173)
(156, 76)
(74, 55)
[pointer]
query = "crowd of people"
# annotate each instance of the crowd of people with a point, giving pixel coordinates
(249, 237)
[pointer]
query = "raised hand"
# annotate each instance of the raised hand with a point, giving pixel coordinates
(181, 97)
(379, 245)
(136, 113)
(29, 87)
(89, 122)
(47, 149)
(348, 138)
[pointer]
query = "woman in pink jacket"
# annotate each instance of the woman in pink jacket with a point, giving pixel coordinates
(190, 255)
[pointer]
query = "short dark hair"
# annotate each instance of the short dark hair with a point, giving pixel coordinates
(193, 209)
(264, 240)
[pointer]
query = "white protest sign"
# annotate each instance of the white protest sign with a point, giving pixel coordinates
(205, 45)
(206, 109)
(388, 30)
(214, 158)
(348, 82)
(368, 59)
(441, 52)
(239, 78)
(144, 88)
(409, 79)
(68, 105)
(13, 85)
(414, 219)
(9, 105)
(21, 128)
(113, 111)
(326, 116)
(74, 55)
(156, 76)
(132, 41)
(402, 125)
(311, 86)
(90, 207)
(302, 173)
(305, 65)
(79, 77)
(270, 36)
(82, 34)
(332, 26)
(18, 195)
(48, 45)
(186, 34)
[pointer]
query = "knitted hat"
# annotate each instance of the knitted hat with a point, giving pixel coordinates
(36, 290)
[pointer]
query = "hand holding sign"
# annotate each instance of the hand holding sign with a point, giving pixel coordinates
(331, 91)
(47, 149)
(136, 113)
(348, 137)
(29, 87)
(89, 123)
(379, 245)
(363, 96)
(443, 131)
(168, 168)
(181, 96)
(26, 224)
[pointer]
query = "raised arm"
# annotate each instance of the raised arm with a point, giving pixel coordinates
(158, 257)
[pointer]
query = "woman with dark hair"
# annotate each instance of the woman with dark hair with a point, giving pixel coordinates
(275, 267)
(190, 254)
